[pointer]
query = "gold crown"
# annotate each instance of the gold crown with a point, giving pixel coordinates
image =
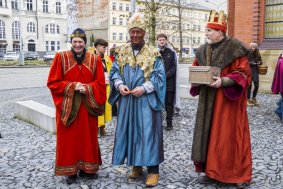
(217, 20)
(216, 17)
(137, 21)
(78, 34)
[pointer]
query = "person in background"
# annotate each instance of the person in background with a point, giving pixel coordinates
(138, 84)
(100, 47)
(277, 85)
(221, 142)
(169, 60)
(77, 86)
(112, 57)
(254, 60)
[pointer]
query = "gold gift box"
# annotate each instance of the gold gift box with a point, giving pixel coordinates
(203, 74)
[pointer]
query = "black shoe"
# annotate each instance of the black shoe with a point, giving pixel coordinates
(88, 175)
(169, 128)
(71, 179)
(206, 180)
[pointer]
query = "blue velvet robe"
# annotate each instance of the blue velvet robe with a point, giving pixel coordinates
(139, 132)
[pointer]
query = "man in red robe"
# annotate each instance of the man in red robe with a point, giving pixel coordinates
(221, 144)
(77, 84)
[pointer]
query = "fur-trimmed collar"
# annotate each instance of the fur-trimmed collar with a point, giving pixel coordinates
(228, 51)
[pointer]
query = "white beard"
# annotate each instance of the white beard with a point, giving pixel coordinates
(209, 41)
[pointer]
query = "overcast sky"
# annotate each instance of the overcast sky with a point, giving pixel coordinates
(213, 4)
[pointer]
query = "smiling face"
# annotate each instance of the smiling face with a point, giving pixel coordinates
(137, 36)
(213, 36)
(78, 45)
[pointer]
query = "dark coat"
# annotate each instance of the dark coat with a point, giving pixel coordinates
(169, 60)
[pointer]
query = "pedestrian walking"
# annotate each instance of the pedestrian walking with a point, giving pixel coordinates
(138, 84)
(100, 47)
(169, 60)
(254, 61)
(77, 85)
(221, 142)
(277, 85)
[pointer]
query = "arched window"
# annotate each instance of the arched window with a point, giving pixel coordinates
(58, 29)
(2, 30)
(273, 19)
(31, 27)
(46, 28)
(58, 7)
(16, 30)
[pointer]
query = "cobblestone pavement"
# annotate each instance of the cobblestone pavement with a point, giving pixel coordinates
(27, 153)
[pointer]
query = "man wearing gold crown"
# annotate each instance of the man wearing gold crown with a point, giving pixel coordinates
(221, 143)
(77, 84)
(138, 84)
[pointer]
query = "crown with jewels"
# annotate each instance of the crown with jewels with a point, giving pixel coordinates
(137, 21)
(217, 21)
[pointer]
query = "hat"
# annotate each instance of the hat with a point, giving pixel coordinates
(78, 33)
(217, 21)
(137, 21)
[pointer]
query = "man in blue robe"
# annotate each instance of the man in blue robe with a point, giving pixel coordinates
(138, 84)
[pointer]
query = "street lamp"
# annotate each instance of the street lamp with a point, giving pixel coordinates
(21, 55)
(217, 5)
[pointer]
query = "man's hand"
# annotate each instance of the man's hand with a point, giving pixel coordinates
(82, 89)
(217, 83)
(124, 90)
(78, 87)
(138, 91)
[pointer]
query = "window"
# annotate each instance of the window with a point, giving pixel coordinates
(58, 7)
(127, 7)
(31, 27)
(46, 45)
(14, 4)
(194, 39)
(198, 39)
(120, 21)
(58, 29)
(52, 28)
(273, 19)
(194, 27)
(47, 28)
(114, 36)
(206, 17)
(198, 27)
(114, 6)
(29, 5)
(16, 47)
(52, 45)
(58, 45)
(121, 36)
(45, 6)
(120, 6)
(1, 3)
(114, 21)
(16, 30)
(2, 30)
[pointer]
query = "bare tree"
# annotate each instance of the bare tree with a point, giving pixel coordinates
(151, 8)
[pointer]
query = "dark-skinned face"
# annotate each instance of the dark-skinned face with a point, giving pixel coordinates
(137, 36)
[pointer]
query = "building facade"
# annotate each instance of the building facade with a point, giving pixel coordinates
(40, 25)
(108, 19)
(259, 21)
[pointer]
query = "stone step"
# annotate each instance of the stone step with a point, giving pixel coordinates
(37, 114)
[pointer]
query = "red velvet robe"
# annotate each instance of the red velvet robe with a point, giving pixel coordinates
(77, 143)
(229, 157)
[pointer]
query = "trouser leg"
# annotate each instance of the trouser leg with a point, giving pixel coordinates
(153, 169)
(249, 91)
(169, 107)
(256, 85)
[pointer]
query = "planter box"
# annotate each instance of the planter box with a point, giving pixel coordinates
(203, 74)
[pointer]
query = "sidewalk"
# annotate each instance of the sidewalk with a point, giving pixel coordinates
(27, 153)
